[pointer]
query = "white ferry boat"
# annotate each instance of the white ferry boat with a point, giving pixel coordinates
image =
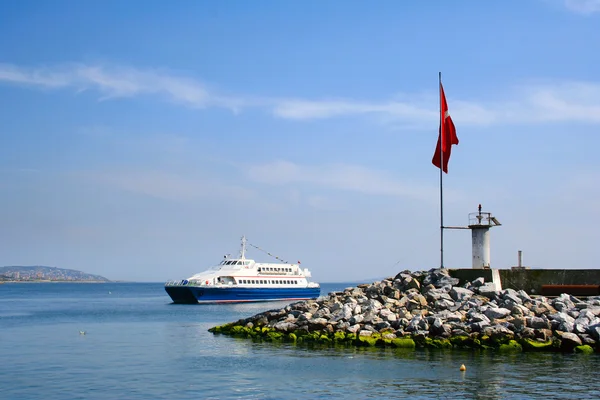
(240, 279)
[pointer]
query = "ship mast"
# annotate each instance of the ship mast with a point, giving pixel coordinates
(243, 250)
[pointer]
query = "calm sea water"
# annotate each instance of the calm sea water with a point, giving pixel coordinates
(139, 346)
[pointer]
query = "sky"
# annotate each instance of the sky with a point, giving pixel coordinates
(141, 141)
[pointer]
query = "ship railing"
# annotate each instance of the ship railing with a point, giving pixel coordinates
(183, 282)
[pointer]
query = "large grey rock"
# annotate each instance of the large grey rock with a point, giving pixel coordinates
(523, 295)
(478, 326)
(538, 323)
(460, 294)
(317, 323)
(569, 340)
(562, 318)
(387, 315)
(475, 316)
(594, 331)
(488, 290)
(496, 313)
(322, 313)
(380, 326)
(438, 328)
(305, 317)
(285, 326)
(497, 331)
(478, 282)
(434, 295)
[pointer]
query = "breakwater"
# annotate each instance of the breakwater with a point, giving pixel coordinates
(430, 309)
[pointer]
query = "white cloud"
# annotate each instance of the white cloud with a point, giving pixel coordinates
(534, 103)
(583, 6)
(526, 104)
(118, 81)
(340, 177)
(168, 186)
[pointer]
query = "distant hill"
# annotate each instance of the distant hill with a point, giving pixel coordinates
(42, 273)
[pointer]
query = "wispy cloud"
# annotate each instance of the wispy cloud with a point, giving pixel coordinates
(526, 104)
(119, 81)
(345, 177)
(167, 185)
(582, 6)
(534, 103)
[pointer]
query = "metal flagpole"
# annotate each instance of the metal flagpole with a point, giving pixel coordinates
(441, 177)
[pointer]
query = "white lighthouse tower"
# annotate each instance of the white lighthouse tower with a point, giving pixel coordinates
(480, 224)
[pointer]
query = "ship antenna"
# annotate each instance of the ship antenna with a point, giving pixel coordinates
(243, 251)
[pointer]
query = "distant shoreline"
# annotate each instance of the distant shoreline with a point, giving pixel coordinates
(55, 281)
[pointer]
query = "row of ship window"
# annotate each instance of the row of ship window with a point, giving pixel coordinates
(268, 281)
(277, 269)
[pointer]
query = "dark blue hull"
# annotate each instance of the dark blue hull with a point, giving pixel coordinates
(204, 294)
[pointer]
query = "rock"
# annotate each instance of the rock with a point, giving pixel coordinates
(460, 294)
(477, 317)
(322, 313)
(528, 333)
(497, 331)
(566, 323)
(594, 331)
(434, 295)
(519, 323)
(538, 323)
(587, 339)
(523, 296)
(478, 282)
(496, 313)
(478, 326)
(543, 334)
(569, 340)
(285, 326)
(380, 326)
(317, 323)
(438, 328)
(488, 290)
(305, 317)
(411, 283)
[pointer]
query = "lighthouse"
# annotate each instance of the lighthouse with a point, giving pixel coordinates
(480, 223)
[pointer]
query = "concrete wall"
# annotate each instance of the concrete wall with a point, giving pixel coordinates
(531, 280)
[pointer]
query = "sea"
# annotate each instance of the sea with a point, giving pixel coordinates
(128, 341)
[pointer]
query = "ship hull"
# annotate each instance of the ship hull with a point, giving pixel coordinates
(204, 294)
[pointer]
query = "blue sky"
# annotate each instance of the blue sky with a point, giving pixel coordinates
(139, 141)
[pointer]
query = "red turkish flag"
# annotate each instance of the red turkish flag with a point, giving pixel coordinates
(447, 136)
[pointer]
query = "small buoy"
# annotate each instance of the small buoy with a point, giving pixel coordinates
(463, 368)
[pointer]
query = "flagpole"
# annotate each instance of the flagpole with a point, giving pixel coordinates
(441, 178)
